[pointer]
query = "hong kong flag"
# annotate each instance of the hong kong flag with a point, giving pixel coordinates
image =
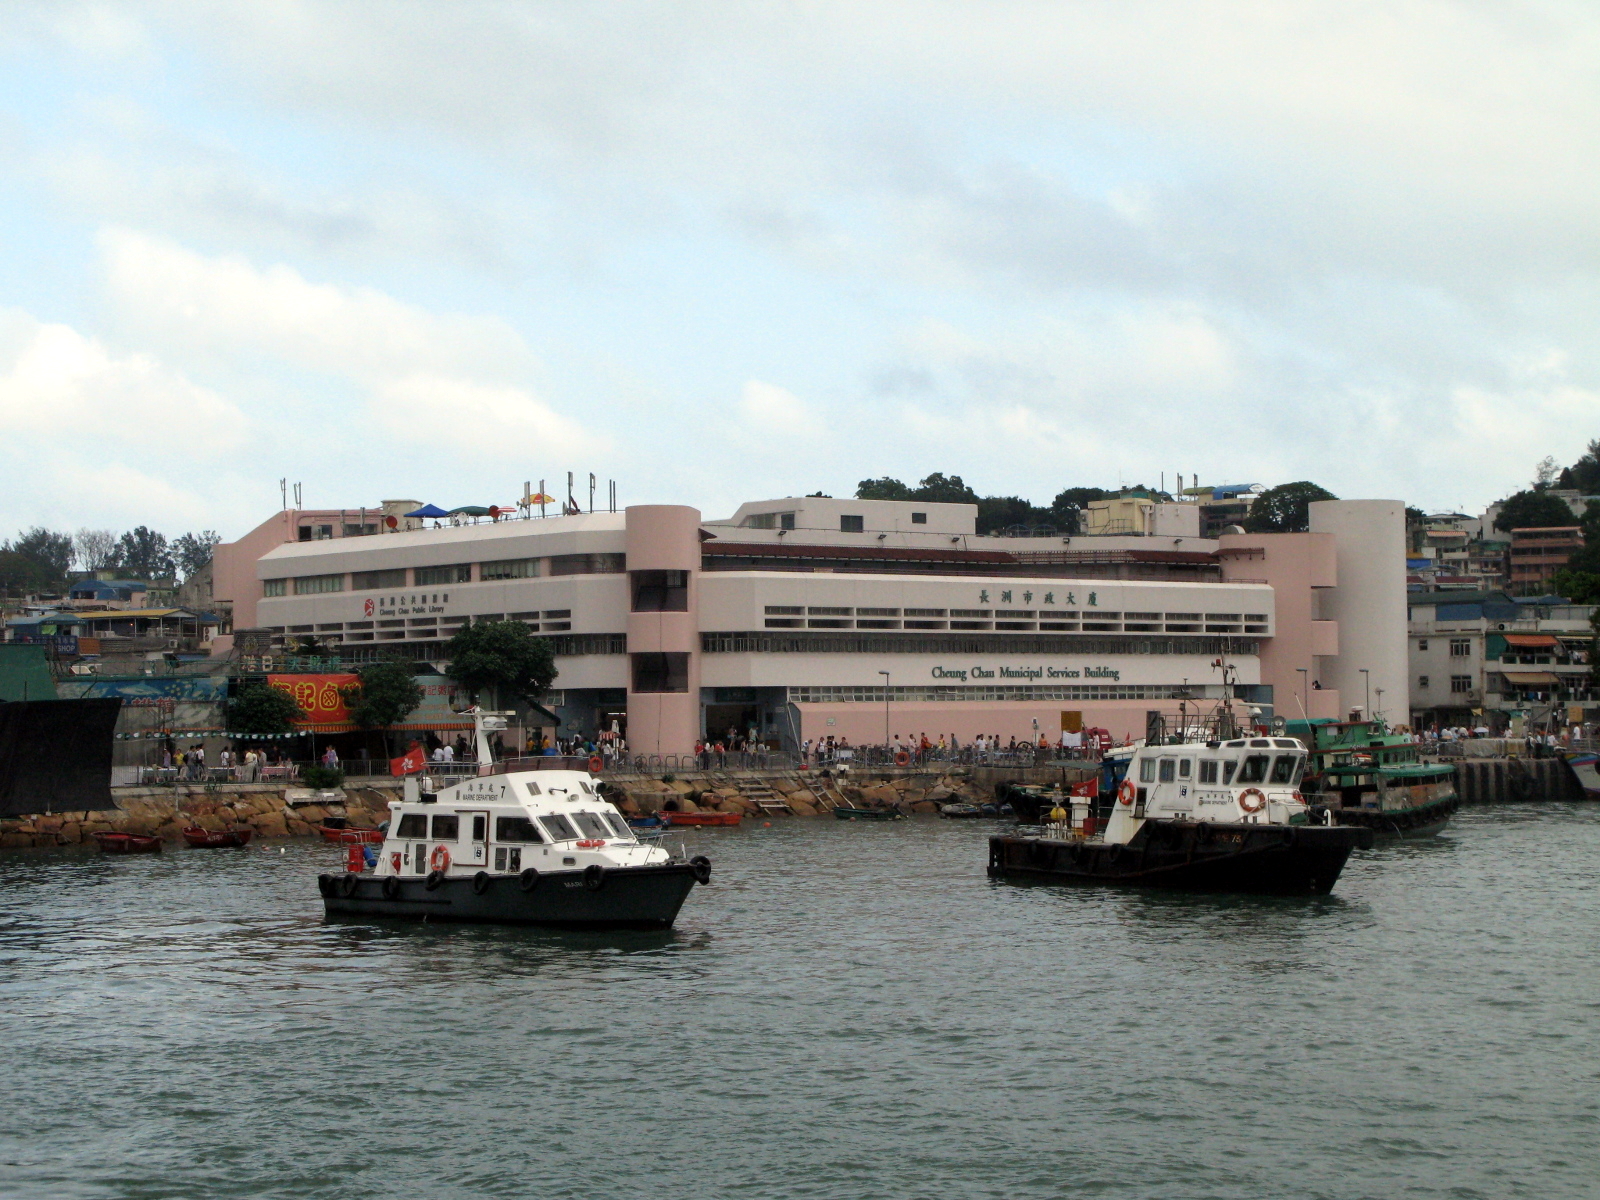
(1089, 787)
(410, 762)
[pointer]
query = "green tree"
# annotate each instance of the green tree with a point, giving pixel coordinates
(882, 489)
(1578, 586)
(500, 657)
(51, 552)
(260, 709)
(21, 575)
(940, 488)
(193, 551)
(387, 694)
(1584, 475)
(142, 553)
(999, 513)
(1285, 508)
(1066, 510)
(94, 549)
(1533, 510)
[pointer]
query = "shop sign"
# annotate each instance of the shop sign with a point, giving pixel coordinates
(321, 696)
(1055, 596)
(964, 674)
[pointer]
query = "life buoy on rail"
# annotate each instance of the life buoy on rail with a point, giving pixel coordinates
(1126, 792)
(439, 860)
(1252, 800)
(901, 758)
(596, 764)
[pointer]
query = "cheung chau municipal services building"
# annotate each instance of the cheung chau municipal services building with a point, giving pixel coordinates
(810, 617)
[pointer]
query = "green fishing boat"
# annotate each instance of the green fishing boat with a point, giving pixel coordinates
(1368, 776)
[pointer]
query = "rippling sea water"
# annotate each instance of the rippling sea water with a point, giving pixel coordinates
(847, 1011)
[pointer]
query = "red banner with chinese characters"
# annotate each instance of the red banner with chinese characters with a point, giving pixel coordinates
(318, 695)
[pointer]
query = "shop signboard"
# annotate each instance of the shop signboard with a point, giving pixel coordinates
(320, 696)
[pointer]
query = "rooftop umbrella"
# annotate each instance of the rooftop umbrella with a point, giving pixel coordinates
(468, 510)
(539, 498)
(428, 510)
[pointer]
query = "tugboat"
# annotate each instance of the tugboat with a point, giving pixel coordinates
(527, 842)
(1376, 779)
(1198, 816)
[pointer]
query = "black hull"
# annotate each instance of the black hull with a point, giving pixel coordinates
(1421, 821)
(1190, 856)
(627, 898)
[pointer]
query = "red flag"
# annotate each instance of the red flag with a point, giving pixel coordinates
(412, 761)
(1089, 787)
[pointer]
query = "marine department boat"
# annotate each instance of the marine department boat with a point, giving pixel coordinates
(529, 842)
(1199, 816)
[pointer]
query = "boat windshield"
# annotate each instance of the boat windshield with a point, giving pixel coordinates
(559, 828)
(591, 825)
(617, 823)
(516, 829)
(1254, 769)
(1286, 768)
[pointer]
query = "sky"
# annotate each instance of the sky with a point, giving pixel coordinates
(720, 252)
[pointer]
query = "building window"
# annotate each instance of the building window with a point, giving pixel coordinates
(786, 520)
(1422, 681)
(828, 612)
(851, 524)
(919, 518)
(661, 672)
(273, 587)
(1460, 647)
(1460, 683)
(313, 585)
(1422, 644)
(372, 581)
(785, 610)
(660, 591)
(460, 573)
(588, 564)
(509, 568)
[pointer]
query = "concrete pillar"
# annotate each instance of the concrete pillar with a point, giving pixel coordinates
(1368, 602)
(664, 537)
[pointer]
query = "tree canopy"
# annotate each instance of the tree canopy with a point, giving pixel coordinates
(192, 551)
(142, 553)
(502, 657)
(1533, 510)
(261, 709)
(50, 552)
(1584, 475)
(387, 694)
(1285, 508)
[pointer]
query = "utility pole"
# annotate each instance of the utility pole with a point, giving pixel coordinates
(885, 675)
(1366, 678)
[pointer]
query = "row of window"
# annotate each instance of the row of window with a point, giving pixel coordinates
(1458, 683)
(486, 572)
(796, 610)
(867, 694)
(805, 642)
(1282, 769)
(446, 827)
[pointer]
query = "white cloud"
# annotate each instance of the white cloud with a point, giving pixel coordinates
(768, 409)
(485, 420)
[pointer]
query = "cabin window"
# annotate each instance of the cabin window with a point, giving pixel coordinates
(1228, 768)
(414, 825)
(1185, 767)
(591, 825)
(1283, 768)
(1255, 768)
(446, 827)
(533, 788)
(1208, 770)
(516, 829)
(618, 824)
(1147, 770)
(559, 828)
(1169, 767)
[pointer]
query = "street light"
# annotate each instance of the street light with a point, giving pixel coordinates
(1305, 696)
(885, 675)
(1366, 678)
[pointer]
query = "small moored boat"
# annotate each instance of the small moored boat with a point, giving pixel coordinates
(357, 835)
(217, 839)
(127, 843)
(844, 813)
(702, 818)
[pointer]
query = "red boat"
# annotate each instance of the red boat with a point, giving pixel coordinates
(127, 843)
(703, 818)
(357, 835)
(217, 839)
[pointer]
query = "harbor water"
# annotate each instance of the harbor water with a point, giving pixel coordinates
(847, 1011)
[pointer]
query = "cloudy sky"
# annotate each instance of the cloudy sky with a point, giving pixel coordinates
(722, 251)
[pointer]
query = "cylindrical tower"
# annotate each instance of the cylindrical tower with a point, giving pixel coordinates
(663, 549)
(1369, 603)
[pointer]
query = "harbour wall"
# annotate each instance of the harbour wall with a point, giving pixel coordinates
(1506, 780)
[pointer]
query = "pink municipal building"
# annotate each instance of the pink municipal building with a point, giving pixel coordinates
(806, 617)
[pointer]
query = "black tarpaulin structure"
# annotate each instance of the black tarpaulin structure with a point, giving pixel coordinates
(55, 755)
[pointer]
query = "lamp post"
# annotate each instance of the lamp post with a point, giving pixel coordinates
(1366, 678)
(1380, 702)
(1305, 696)
(885, 675)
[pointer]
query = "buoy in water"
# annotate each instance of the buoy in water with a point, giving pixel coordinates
(766, 824)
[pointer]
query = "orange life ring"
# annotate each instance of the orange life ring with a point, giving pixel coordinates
(596, 764)
(1127, 791)
(1245, 798)
(901, 758)
(439, 860)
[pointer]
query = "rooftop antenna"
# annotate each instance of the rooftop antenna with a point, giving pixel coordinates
(542, 497)
(297, 501)
(613, 486)
(591, 491)
(571, 506)
(526, 503)
(283, 490)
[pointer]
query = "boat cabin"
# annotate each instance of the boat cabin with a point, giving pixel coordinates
(1247, 781)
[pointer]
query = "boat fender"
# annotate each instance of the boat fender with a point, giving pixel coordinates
(391, 887)
(529, 879)
(439, 860)
(901, 758)
(325, 884)
(1126, 792)
(434, 879)
(1113, 852)
(480, 883)
(701, 866)
(1291, 836)
(1202, 831)
(1252, 800)
(347, 884)
(594, 877)
(596, 764)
